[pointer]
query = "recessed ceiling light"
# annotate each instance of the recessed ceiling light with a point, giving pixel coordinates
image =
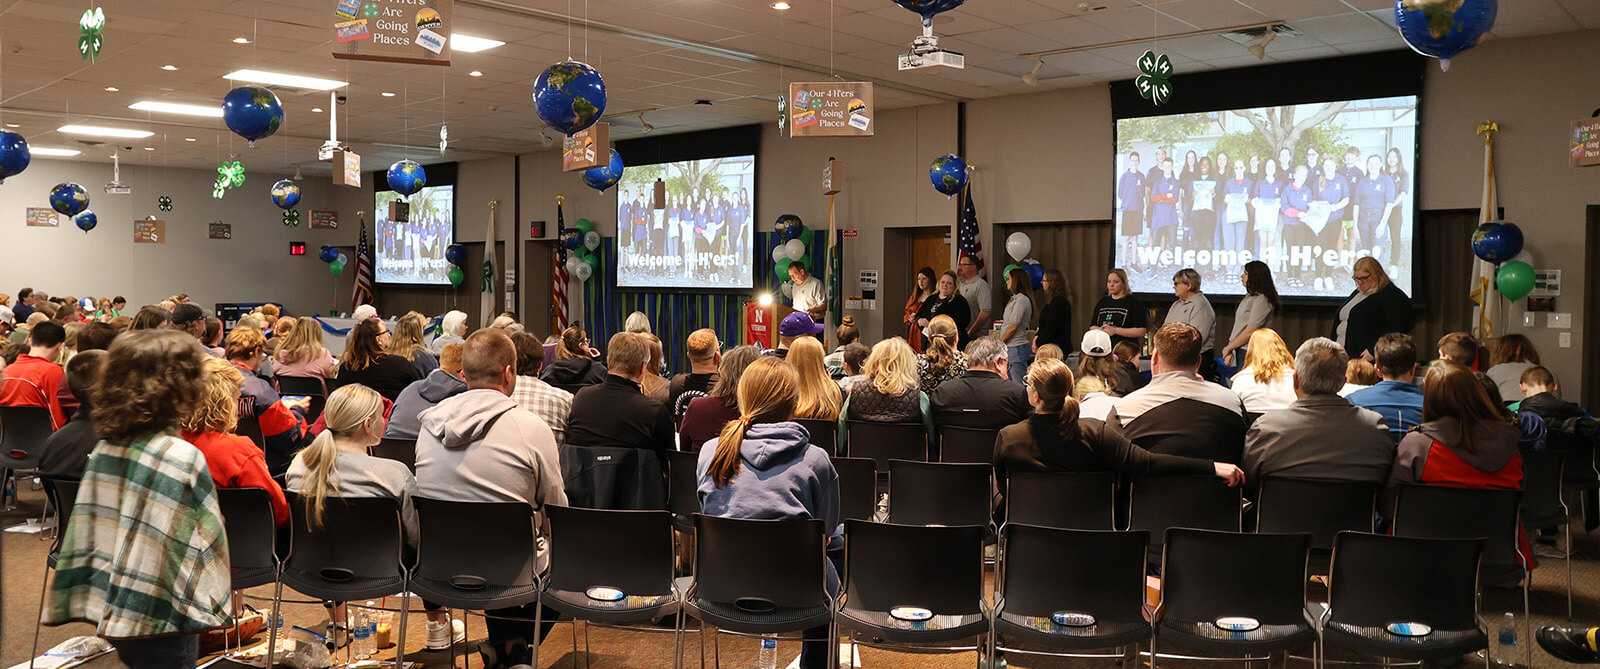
(387, 94)
(97, 131)
(280, 79)
(175, 108)
(47, 151)
(13, 125)
(149, 148)
(241, 40)
(188, 139)
(316, 110)
(169, 68)
(470, 44)
(474, 73)
(780, 5)
(112, 89)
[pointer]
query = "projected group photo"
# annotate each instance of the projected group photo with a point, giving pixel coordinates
(1307, 189)
(701, 237)
(412, 251)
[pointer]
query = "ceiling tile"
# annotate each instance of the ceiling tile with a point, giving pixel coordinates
(1210, 14)
(1532, 28)
(1335, 30)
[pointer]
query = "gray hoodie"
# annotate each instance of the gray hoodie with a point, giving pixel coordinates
(781, 475)
(479, 446)
(405, 418)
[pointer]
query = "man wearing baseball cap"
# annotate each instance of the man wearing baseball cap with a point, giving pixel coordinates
(793, 326)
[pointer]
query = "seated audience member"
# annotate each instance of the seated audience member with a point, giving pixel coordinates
(363, 312)
(405, 420)
(1463, 349)
(551, 404)
(855, 357)
(212, 337)
(1396, 398)
(150, 317)
(67, 450)
(763, 467)
(1266, 382)
(1542, 396)
(1054, 438)
(617, 412)
(637, 323)
(889, 393)
(1359, 374)
(941, 361)
(1095, 399)
(705, 355)
(20, 335)
(1050, 352)
(792, 327)
(819, 394)
(1095, 359)
(34, 379)
(154, 537)
(406, 342)
(651, 382)
(282, 422)
(479, 446)
(983, 398)
(1320, 436)
(365, 362)
(847, 334)
(1513, 355)
(705, 417)
(191, 318)
(234, 460)
(301, 352)
(575, 366)
(280, 333)
(452, 330)
(122, 323)
(25, 304)
(96, 337)
(1128, 354)
(1177, 413)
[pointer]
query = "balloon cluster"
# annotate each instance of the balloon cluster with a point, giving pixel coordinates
(456, 254)
(582, 240)
(335, 259)
(790, 247)
(1018, 244)
(1498, 243)
(71, 199)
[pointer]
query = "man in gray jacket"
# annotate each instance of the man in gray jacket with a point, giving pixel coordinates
(1321, 435)
(479, 446)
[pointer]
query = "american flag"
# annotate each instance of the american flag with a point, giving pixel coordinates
(363, 289)
(559, 284)
(967, 230)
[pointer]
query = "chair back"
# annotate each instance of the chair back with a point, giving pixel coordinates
(403, 451)
(584, 551)
(771, 561)
(683, 486)
(1194, 502)
(252, 535)
(1378, 579)
(1542, 473)
(1207, 575)
(1323, 508)
(940, 493)
(354, 554)
(1442, 512)
(966, 444)
(1106, 579)
(935, 568)
(62, 493)
(858, 487)
(309, 386)
(471, 547)
(250, 426)
(886, 441)
(1070, 500)
(824, 433)
(23, 430)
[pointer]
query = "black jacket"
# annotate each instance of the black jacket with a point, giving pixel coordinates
(1055, 325)
(980, 400)
(1388, 310)
(618, 413)
(574, 374)
(66, 451)
(604, 477)
(955, 307)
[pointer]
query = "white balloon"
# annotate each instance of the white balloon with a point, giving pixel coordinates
(591, 239)
(573, 263)
(584, 271)
(344, 259)
(787, 288)
(1018, 245)
(795, 248)
(780, 253)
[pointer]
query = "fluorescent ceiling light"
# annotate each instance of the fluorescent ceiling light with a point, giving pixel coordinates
(175, 108)
(470, 44)
(97, 131)
(46, 151)
(280, 79)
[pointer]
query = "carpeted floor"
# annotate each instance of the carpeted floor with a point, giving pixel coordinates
(22, 572)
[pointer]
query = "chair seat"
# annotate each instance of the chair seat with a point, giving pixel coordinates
(729, 617)
(1042, 630)
(1546, 520)
(939, 629)
(492, 597)
(342, 591)
(1378, 641)
(633, 609)
(245, 578)
(1207, 636)
(1500, 576)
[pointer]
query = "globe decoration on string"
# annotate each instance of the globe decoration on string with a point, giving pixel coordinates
(14, 154)
(1035, 271)
(1443, 28)
(328, 254)
(406, 177)
(605, 176)
(1497, 242)
(569, 96)
(788, 227)
(69, 198)
(929, 8)
(86, 220)
(948, 174)
(456, 254)
(252, 112)
(572, 238)
(285, 194)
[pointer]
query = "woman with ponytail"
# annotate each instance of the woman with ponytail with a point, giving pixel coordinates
(1054, 438)
(764, 467)
(942, 361)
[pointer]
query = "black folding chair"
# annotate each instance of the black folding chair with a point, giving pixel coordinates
(1542, 504)
(886, 441)
(1069, 500)
(1231, 592)
(683, 488)
(939, 493)
(858, 487)
(252, 530)
(476, 556)
(1380, 580)
(966, 444)
(760, 577)
(824, 433)
(250, 426)
(357, 553)
(910, 586)
(1193, 502)
(309, 386)
(23, 430)
(592, 581)
(1048, 571)
(403, 451)
(60, 493)
(1323, 508)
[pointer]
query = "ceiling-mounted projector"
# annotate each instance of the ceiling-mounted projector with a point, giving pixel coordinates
(925, 52)
(116, 187)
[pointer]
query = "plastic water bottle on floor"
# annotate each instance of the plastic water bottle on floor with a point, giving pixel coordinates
(361, 636)
(1507, 653)
(769, 652)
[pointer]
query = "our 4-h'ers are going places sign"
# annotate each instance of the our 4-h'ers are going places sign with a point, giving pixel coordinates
(393, 31)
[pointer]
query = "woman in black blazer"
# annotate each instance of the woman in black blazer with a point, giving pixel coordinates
(1376, 308)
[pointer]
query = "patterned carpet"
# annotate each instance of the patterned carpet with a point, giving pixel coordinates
(22, 568)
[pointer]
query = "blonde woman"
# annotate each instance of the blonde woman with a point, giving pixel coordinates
(890, 392)
(1376, 308)
(302, 352)
(653, 384)
(234, 460)
(819, 393)
(941, 362)
(406, 342)
(637, 323)
(1267, 380)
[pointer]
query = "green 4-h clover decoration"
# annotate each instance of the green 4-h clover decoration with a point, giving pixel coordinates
(291, 218)
(90, 25)
(229, 175)
(369, 10)
(1153, 81)
(164, 202)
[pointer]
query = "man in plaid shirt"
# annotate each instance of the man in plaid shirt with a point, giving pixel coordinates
(539, 398)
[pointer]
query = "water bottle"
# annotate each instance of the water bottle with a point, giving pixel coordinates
(769, 652)
(1506, 652)
(361, 636)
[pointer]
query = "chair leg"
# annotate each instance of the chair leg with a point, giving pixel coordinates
(1566, 529)
(1527, 619)
(44, 585)
(588, 657)
(677, 639)
(272, 625)
(450, 628)
(538, 627)
(405, 610)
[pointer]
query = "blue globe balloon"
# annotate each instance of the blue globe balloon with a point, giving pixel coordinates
(1497, 242)
(1035, 271)
(572, 239)
(606, 176)
(788, 227)
(948, 174)
(929, 8)
(252, 112)
(456, 254)
(86, 220)
(569, 96)
(328, 254)
(69, 198)
(1443, 29)
(14, 154)
(407, 177)
(285, 194)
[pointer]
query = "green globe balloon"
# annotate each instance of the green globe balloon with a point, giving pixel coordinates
(457, 276)
(1515, 280)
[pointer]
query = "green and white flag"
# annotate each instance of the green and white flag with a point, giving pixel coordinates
(486, 288)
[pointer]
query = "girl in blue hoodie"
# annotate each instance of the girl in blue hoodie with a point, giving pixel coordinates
(763, 467)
